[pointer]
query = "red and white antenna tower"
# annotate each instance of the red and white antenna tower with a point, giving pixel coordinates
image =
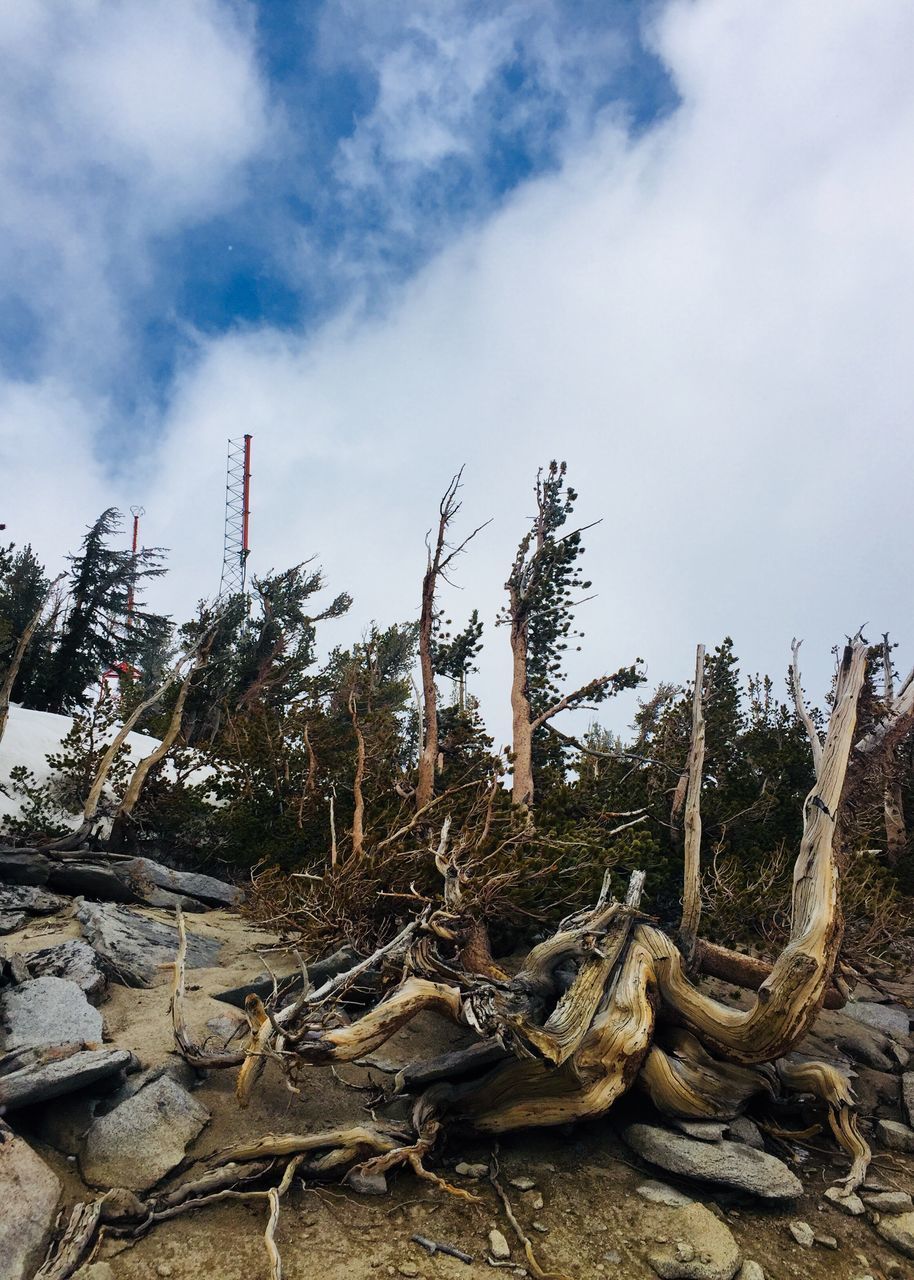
(236, 547)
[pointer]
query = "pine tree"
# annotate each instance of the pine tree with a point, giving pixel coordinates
(94, 635)
(23, 586)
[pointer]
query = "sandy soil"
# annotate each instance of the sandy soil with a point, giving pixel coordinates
(595, 1225)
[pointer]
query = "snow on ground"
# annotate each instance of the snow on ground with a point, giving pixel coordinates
(31, 736)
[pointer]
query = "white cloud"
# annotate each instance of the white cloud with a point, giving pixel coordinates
(119, 122)
(711, 323)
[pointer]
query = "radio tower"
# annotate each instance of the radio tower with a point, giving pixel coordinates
(236, 548)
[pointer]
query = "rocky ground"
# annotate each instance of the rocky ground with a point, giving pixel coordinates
(94, 1097)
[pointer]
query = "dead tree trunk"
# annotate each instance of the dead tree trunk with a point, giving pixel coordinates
(438, 562)
(358, 810)
(896, 835)
(12, 671)
(691, 893)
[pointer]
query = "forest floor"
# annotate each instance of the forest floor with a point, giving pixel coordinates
(580, 1181)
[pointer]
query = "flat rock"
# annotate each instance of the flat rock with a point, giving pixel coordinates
(73, 960)
(898, 1231)
(660, 1193)
(850, 1204)
(30, 898)
(742, 1129)
(907, 1095)
(498, 1245)
(27, 1183)
(697, 1246)
(803, 1233)
(703, 1130)
(48, 1011)
(889, 1201)
(41, 1080)
(895, 1136)
(24, 868)
(731, 1164)
(136, 951)
(142, 1140)
(12, 921)
(90, 879)
(208, 889)
(890, 1019)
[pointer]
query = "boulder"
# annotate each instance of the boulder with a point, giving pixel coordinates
(660, 1193)
(696, 1245)
(703, 1130)
(29, 1192)
(143, 1138)
(742, 1129)
(90, 879)
(74, 960)
(23, 868)
(731, 1164)
(136, 951)
(898, 1231)
(59, 1071)
(12, 921)
(30, 898)
(207, 889)
(907, 1096)
(895, 1136)
(889, 1201)
(48, 1011)
(890, 1019)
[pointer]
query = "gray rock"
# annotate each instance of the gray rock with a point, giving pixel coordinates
(207, 889)
(498, 1245)
(889, 1201)
(660, 1193)
(750, 1271)
(366, 1184)
(27, 1183)
(318, 971)
(24, 868)
(827, 1242)
(25, 897)
(471, 1170)
(890, 1019)
(136, 951)
(96, 1271)
(39, 1081)
(895, 1136)
(74, 960)
(703, 1130)
(522, 1183)
(851, 1204)
(898, 1231)
(907, 1095)
(12, 921)
(697, 1246)
(732, 1164)
(48, 1011)
(803, 1233)
(742, 1129)
(142, 1140)
(90, 879)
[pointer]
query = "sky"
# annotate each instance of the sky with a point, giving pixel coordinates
(669, 242)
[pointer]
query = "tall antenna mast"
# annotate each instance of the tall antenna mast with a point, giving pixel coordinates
(236, 547)
(136, 512)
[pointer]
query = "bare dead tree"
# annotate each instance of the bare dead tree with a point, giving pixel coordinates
(439, 560)
(358, 812)
(896, 835)
(691, 892)
(799, 703)
(12, 671)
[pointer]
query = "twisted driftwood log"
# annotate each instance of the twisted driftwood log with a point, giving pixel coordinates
(603, 1005)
